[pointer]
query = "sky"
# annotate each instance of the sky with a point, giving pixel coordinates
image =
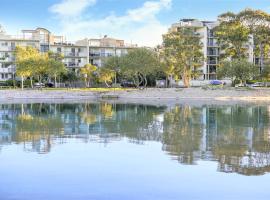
(139, 22)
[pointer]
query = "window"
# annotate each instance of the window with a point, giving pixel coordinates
(4, 44)
(44, 48)
(59, 49)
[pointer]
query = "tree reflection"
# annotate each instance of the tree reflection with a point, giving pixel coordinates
(182, 133)
(237, 137)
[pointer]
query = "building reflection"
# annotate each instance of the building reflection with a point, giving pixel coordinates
(236, 137)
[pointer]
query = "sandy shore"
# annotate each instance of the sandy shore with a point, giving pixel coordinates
(150, 94)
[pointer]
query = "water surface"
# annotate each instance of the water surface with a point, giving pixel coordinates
(122, 151)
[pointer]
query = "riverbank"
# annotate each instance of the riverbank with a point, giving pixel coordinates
(155, 94)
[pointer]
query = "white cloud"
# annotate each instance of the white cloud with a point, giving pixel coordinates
(138, 25)
(71, 8)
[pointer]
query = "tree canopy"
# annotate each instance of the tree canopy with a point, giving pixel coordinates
(183, 53)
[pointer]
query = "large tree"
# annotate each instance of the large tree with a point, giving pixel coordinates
(55, 69)
(232, 37)
(183, 48)
(26, 60)
(138, 64)
(258, 23)
(238, 70)
(87, 73)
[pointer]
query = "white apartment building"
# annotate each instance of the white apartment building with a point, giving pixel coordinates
(211, 49)
(100, 49)
(76, 54)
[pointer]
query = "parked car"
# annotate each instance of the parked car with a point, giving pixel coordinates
(161, 83)
(50, 85)
(127, 84)
(216, 82)
(39, 85)
(257, 84)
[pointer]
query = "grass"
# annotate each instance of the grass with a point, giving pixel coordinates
(77, 89)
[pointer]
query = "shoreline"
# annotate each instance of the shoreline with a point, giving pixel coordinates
(151, 95)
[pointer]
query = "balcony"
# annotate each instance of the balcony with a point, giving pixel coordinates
(7, 48)
(212, 53)
(212, 62)
(94, 54)
(73, 64)
(212, 44)
(7, 70)
(74, 54)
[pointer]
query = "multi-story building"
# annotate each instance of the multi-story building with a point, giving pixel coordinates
(211, 49)
(76, 54)
(100, 49)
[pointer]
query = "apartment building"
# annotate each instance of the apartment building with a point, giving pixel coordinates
(76, 54)
(100, 49)
(211, 49)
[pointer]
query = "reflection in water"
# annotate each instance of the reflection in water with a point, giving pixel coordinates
(237, 137)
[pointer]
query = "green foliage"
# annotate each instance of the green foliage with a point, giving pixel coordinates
(138, 64)
(106, 75)
(234, 31)
(232, 38)
(88, 73)
(265, 75)
(32, 64)
(238, 70)
(182, 53)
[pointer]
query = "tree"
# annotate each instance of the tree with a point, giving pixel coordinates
(106, 76)
(87, 73)
(168, 68)
(55, 56)
(26, 60)
(55, 68)
(257, 22)
(138, 64)
(183, 48)
(23, 70)
(70, 76)
(238, 70)
(265, 74)
(232, 37)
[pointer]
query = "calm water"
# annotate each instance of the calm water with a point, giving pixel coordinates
(118, 151)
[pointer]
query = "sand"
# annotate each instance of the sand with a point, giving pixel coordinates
(149, 94)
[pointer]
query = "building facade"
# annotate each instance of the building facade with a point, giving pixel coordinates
(100, 49)
(76, 54)
(211, 49)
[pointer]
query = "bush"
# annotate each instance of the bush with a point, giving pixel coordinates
(11, 83)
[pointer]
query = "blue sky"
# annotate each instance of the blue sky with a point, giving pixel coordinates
(136, 21)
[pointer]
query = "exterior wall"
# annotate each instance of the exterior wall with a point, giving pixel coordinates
(100, 49)
(76, 55)
(7, 58)
(211, 50)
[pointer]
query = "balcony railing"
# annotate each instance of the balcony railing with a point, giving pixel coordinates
(212, 44)
(212, 62)
(74, 54)
(73, 64)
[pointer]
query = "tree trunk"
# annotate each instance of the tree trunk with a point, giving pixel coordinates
(186, 78)
(107, 84)
(85, 82)
(22, 82)
(31, 82)
(135, 82)
(145, 81)
(261, 58)
(55, 81)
